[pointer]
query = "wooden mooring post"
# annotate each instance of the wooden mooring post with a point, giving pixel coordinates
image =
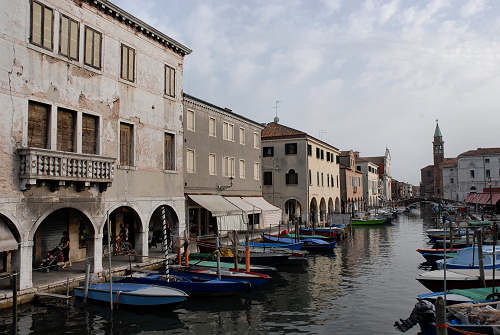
(87, 280)
(13, 282)
(235, 249)
(480, 258)
(441, 317)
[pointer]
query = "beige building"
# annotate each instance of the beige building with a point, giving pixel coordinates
(92, 125)
(300, 174)
(370, 182)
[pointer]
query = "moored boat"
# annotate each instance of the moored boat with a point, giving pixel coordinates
(212, 287)
(269, 270)
(456, 279)
(133, 294)
(255, 279)
(368, 221)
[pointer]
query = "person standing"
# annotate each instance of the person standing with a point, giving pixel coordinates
(65, 247)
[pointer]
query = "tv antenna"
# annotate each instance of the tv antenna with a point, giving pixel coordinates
(276, 105)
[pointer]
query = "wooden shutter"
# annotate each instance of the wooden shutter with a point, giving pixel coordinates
(97, 50)
(36, 23)
(47, 28)
(63, 36)
(169, 152)
(38, 125)
(89, 134)
(65, 130)
(88, 46)
(125, 144)
(74, 40)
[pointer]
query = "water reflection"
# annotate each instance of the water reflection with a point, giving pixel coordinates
(367, 283)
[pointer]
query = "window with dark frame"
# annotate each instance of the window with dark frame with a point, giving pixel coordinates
(488, 174)
(268, 151)
(38, 125)
(309, 150)
(472, 174)
(169, 152)
(327, 156)
(126, 153)
(90, 126)
(66, 124)
(310, 178)
(318, 153)
(128, 63)
(268, 178)
(69, 37)
(42, 26)
(291, 178)
(290, 148)
(93, 46)
(322, 154)
(317, 177)
(169, 81)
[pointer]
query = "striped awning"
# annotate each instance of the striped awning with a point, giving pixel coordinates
(483, 198)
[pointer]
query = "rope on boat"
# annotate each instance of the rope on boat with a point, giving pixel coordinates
(466, 332)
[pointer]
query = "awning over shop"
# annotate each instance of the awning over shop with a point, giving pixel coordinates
(7, 240)
(483, 198)
(245, 206)
(259, 202)
(229, 217)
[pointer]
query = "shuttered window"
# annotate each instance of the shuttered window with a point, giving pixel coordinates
(66, 121)
(211, 127)
(38, 125)
(126, 158)
(89, 134)
(242, 169)
(242, 136)
(128, 63)
(69, 37)
(256, 140)
(256, 171)
(42, 23)
(169, 81)
(190, 120)
(93, 43)
(189, 161)
(211, 165)
(169, 152)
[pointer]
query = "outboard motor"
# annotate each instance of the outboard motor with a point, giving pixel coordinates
(423, 313)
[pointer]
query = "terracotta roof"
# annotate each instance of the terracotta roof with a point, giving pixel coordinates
(480, 152)
(449, 162)
(274, 130)
(376, 159)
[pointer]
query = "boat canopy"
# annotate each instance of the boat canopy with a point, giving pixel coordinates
(7, 240)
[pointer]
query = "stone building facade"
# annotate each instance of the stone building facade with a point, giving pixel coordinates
(351, 184)
(91, 127)
(222, 175)
(384, 174)
(370, 182)
(300, 174)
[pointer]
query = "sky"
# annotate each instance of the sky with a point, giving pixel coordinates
(361, 75)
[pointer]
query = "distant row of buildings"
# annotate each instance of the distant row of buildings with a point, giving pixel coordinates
(473, 177)
(401, 190)
(97, 134)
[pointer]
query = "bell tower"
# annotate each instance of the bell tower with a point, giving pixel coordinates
(438, 146)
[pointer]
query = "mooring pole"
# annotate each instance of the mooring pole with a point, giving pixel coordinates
(13, 282)
(247, 252)
(441, 317)
(217, 249)
(480, 258)
(235, 249)
(87, 280)
(493, 269)
(109, 263)
(165, 241)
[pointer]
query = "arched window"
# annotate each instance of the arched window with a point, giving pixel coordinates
(292, 178)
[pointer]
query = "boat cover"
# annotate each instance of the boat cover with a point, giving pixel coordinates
(7, 240)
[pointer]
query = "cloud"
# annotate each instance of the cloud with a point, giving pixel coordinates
(472, 7)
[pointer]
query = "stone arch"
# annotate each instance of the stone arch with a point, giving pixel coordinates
(47, 232)
(331, 210)
(123, 216)
(322, 210)
(313, 211)
(155, 226)
(293, 208)
(10, 223)
(34, 228)
(143, 226)
(337, 205)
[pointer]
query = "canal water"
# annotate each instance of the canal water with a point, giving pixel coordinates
(367, 284)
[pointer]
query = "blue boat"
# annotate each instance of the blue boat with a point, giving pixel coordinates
(255, 279)
(212, 287)
(291, 246)
(317, 245)
(467, 258)
(134, 294)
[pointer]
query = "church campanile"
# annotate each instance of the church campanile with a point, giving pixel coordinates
(438, 151)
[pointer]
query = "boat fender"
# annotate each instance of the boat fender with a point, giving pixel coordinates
(117, 300)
